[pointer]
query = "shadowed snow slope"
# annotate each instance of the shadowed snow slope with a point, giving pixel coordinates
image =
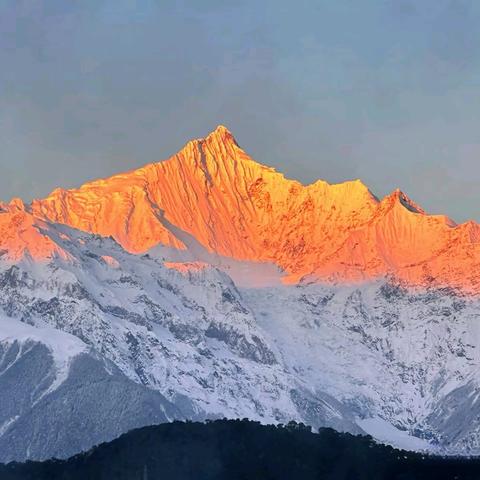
(59, 397)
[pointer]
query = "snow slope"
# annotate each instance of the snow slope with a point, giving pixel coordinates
(335, 355)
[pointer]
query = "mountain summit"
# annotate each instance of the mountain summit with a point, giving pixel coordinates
(233, 206)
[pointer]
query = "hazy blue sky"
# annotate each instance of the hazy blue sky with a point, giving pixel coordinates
(386, 91)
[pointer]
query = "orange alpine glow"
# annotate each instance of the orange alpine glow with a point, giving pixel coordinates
(235, 207)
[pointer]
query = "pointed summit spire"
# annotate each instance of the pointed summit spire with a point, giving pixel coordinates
(397, 196)
(221, 134)
(221, 130)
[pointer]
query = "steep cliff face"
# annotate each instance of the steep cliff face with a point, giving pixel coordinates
(238, 208)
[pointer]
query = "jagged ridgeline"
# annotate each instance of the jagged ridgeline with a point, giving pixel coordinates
(213, 198)
(240, 450)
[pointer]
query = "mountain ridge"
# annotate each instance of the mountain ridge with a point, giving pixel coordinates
(238, 208)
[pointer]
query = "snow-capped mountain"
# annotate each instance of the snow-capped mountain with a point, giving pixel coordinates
(209, 285)
(235, 207)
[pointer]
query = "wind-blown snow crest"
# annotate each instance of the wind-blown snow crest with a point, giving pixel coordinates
(62, 346)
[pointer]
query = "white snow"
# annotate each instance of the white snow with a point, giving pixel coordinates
(384, 432)
(63, 346)
(390, 359)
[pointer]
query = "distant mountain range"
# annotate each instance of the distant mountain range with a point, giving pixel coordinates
(209, 286)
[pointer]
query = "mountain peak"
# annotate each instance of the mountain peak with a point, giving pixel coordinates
(221, 134)
(221, 130)
(17, 203)
(23, 236)
(220, 140)
(399, 197)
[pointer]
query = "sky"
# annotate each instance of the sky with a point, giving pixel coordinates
(387, 91)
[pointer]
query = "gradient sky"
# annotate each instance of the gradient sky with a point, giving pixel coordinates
(386, 91)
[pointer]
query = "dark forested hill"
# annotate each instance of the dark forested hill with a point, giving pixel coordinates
(241, 449)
